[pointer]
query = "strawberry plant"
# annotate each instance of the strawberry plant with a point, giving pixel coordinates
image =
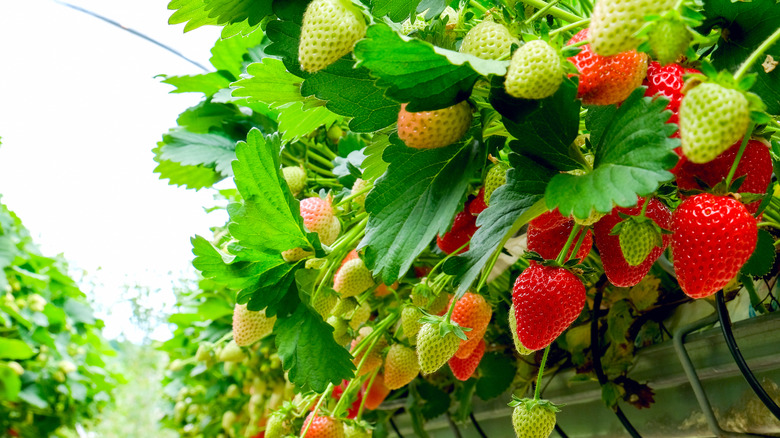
(389, 156)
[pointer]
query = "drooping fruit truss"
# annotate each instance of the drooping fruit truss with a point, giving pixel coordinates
(385, 197)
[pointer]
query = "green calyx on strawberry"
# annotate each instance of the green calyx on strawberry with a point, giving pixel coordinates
(329, 31)
(670, 35)
(437, 343)
(535, 72)
(488, 40)
(715, 112)
(638, 235)
(614, 24)
(495, 178)
(295, 178)
(533, 418)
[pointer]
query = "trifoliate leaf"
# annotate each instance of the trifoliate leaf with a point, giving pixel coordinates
(296, 122)
(309, 353)
(206, 150)
(497, 370)
(511, 206)
(414, 201)
(633, 153)
(197, 13)
(192, 177)
(207, 83)
(269, 82)
(763, 257)
(396, 10)
(414, 71)
(229, 54)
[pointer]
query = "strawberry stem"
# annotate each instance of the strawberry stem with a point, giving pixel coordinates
(538, 388)
(316, 408)
(742, 146)
(743, 69)
(576, 25)
(478, 6)
(554, 11)
(565, 250)
(354, 195)
(644, 207)
(368, 388)
(541, 12)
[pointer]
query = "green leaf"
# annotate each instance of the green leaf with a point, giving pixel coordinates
(34, 396)
(15, 349)
(633, 155)
(747, 25)
(7, 252)
(285, 34)
(619, 320)
(497, 371)
(414, 201)
(201, 118)
(374, 165)
(763, 258)
(511, 206)
(229, 54)
(435, 401)
(309, 353)
(295, 122)
(414, 71)
(192, 12)
(396, 10)
(9, 383)
(269, 82)
(207, 83)
(192, 177)
(546, 128)
(202, 150)
(79, 311)
(197, 13)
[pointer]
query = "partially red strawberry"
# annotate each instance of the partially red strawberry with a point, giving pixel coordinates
(713, 237)
(377, 393)
(374, 359)
(471, 311)
(353, 277)
(547, 234)
(249, 326)
(318, 217)
(667, 81)
(607, 80)
(401, 366)
(547, 300)
(434, 129)
(755, 164)
(478, 205)
(338, 391)
(464, 368)
(618, 271)
(323, 427)
(463, 228)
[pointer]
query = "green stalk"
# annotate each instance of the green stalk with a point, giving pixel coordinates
(478, 6)
(742, 146)
(743, 69)
(541, 12)
(363, 402)
(565, 250)
(317, 407)
(488, 268)
(538, 388)
(355, 195)
(554, 11)
(644, 207)
(577, 24)
(320, 159)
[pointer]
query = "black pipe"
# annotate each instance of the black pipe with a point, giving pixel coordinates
(728, 335)
(395, 428)
(476, 425)
(560, 431)
(594, 348)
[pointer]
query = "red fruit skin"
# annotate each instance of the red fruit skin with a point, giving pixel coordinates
(352, 255)
(547, 300)
(339, 390)
(667, 81)
(606, 80)
(713, 237)
(322, 427)
(463, 369)
(547, 234)
(474, 312)
(478, 205)
(377, 393)
(463, 228)
(618, 271)
(756, 163)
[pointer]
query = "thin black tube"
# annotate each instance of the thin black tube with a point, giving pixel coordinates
(560, 431)
(395, 428)
(728, 335)
(594, 347)
(477, 426)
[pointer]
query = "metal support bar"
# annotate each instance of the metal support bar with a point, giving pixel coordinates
(728, 335)
(594, 346)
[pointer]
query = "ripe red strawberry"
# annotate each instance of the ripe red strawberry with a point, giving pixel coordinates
(353, 277)
(434, 129)
(471, 311)
(464, 368)
(712, 118)
(614, 23)
(377, 393)
(756, 164)
(401, 366)
(323, 427)
(547, 234)
(463, 228)
(318, 217)
(547, 300)
(618, 271)
(607, 80)
(667, 81)
(249, 326)
(478, 205)
(329, 30)
(713, 237)
(488, 40)
(433, 350)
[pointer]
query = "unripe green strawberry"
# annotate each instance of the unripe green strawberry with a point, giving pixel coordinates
(410, 321)
(434, 129)
(433, 350)
(360, 316)
(228, 420)
(496, 177)
(533, 418)
(231, 353)
(401, 366)
(637, 240)
(374, 359)
(669, 39)
(408, 27)
(277, 427)
(359, 185)
(324, 302)
(353, 278)
(204, 352)
(614, 23)
(340, 332)
(452, 17)
(249, 326)
(329, 31)
(513, 328)
(295, 178)
(488, 40)
(712, 118)
(535, 72)
(345, 307)
(18, 369)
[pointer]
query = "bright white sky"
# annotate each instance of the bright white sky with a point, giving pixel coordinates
(80, 111)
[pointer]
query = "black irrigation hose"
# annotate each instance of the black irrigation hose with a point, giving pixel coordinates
(728, 335)
(395, 428)
(594, 346)
(477, 426)
(560, 431)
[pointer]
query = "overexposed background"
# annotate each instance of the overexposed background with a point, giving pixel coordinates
(80, 111)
